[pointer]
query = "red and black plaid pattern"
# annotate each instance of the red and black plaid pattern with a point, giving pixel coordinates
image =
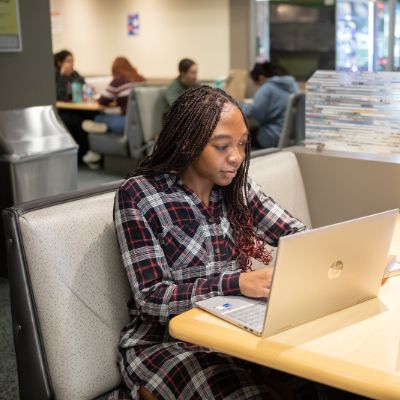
(177, 251)
(189, 372)
(178, 370)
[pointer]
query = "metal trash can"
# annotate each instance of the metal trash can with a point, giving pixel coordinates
(38, 157)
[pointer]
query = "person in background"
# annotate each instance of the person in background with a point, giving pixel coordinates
(65, 75)
(124, 76)
(187, 79)
(270, 102)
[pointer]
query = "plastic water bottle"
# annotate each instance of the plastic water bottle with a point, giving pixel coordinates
(218, 84)
(76, 88)
(88, 93)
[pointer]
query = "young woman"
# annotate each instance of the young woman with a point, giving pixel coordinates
(270, 102)
(124, 76)
(188, 222)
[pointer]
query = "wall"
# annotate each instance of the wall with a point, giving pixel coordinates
(242, 35)
(239, 24)
(27, 77)
(96, 32)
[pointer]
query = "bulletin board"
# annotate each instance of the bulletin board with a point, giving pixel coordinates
(10, 27)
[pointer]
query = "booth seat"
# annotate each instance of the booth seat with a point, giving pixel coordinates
(68, 286)
(142, 125)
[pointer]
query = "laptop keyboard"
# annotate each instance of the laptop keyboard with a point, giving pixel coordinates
(252, 316)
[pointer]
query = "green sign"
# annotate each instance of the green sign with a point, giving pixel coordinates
(10, 32)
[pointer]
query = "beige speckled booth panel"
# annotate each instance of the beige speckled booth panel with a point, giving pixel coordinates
(151, 105)
(80, 290)
(279, 176)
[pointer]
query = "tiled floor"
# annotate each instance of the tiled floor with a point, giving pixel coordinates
(8, 369)
(89, 179)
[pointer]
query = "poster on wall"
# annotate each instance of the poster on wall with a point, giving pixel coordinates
(10, 29)
(133, 24)
(56, 22)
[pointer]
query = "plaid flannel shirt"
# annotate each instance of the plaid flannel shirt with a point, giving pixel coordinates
(177, 251)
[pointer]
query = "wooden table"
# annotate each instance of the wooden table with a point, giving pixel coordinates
(356, 349)
(92, 106)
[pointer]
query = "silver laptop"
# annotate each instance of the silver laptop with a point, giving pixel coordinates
(317, 272)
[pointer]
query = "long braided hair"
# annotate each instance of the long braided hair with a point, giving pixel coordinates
(186, 130)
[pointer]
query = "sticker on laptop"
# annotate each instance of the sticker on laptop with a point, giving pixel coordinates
(225, 306)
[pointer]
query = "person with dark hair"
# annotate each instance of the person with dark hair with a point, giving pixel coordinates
(124, 76)
(65, 75)
(187, 79)
(270, 102)
(188, 221)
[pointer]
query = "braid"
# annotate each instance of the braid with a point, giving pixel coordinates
(185, 132)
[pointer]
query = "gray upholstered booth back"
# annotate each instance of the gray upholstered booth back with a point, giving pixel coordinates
(142, 125)
(279, 176)
(65, 257)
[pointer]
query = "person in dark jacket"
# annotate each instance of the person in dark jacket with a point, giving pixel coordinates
(270, 102)
(65, 75)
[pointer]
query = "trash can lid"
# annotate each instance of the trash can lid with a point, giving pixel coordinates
(32, 131)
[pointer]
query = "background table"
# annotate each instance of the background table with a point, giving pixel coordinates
(356, 349)
(92, 106)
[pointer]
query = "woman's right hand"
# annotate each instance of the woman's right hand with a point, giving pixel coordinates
(256, 283)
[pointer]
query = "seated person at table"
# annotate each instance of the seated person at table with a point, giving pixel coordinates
(187, 78)
(270, 102)
(124, 76)
(65, 75)
(188, 222)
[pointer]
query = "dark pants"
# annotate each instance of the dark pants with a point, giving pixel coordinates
(73, 120)
(262, 140)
